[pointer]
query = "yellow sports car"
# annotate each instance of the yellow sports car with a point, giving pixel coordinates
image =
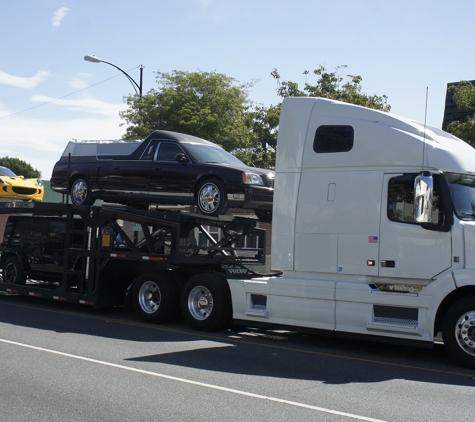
(17, 187)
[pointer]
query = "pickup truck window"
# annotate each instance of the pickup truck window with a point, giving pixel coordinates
(401, 202)
(333, 138)
(149, 153)
(167, 151)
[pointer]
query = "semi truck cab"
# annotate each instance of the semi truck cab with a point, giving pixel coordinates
(373, 229)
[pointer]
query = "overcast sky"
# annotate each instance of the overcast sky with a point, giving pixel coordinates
(50, 95)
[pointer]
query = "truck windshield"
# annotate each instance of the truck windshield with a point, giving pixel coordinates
(462, 189)
(209, 154)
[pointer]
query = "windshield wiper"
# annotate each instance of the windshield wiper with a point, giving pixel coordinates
(468, 214)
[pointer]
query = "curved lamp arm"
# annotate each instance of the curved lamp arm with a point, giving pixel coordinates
(94, 59)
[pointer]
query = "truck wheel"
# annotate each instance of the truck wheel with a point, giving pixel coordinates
(81, 192)
(211, 198)
(206, 302)
(155, 297)
(12, 272)
(458, 331)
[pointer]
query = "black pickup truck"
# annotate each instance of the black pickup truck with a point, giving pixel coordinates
(167, 168)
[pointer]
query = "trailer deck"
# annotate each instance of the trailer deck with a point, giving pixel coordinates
(98, 270)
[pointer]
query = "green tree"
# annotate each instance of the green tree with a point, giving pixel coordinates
(210, 105)
(262, 138)
(217, 107)
(464, 97)
(264, 121)
(332, 85)
(20, 167)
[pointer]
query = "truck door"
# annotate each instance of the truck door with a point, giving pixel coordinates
(53, 246)
(406, 250)
(33, 232)
(170, 179)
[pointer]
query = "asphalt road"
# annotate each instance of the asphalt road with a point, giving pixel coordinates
(62, 362)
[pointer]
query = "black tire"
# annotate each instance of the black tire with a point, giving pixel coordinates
(264, 215)
(211, 197)
(81, 192)
(155, 297)
(458, 331)
(12, 271)
(206, 302)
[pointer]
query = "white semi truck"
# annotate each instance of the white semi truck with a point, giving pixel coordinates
(373, 234)
(374, 229)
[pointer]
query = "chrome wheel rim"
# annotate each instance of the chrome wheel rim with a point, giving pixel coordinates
(209, 198)
(200, 303)
(465, 332)
(79, 192)
(149, 297)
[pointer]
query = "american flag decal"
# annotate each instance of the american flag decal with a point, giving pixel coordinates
(372, 239)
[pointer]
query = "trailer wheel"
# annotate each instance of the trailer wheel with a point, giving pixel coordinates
(155, 297)
(12, 272)
(459, 331)
(211, 198)
(81, 192)
(206, 302)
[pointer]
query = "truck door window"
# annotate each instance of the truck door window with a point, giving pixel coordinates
(53, 246)
(35, 232)
(333, 138)
(168, 151)
(401, 201)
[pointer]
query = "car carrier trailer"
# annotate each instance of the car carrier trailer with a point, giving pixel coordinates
(373, 232)
(70, 253)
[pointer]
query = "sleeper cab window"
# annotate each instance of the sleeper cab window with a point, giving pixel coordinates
(333, 138)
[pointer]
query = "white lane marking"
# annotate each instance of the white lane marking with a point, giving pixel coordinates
(200, 384)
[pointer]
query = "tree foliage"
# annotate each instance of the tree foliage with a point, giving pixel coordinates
(464, 97)
(209, 105)
(264, 121)
(217, 107)
(262, 137)
(332, 85)
(20, 167)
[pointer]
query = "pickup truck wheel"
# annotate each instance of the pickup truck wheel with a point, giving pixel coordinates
(458, 331)
(206, 302)
(12, 272)
(155, 297)
(211, 198)
(81, 192)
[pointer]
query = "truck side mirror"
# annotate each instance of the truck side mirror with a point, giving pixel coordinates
(423, 198)
(181, 158)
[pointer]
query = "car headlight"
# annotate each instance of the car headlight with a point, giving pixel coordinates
(39, 182)
(252, 179)
(4, 181)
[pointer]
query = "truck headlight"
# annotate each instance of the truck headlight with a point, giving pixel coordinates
(249, 178)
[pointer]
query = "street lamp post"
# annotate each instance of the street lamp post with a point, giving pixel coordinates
(94, 59)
